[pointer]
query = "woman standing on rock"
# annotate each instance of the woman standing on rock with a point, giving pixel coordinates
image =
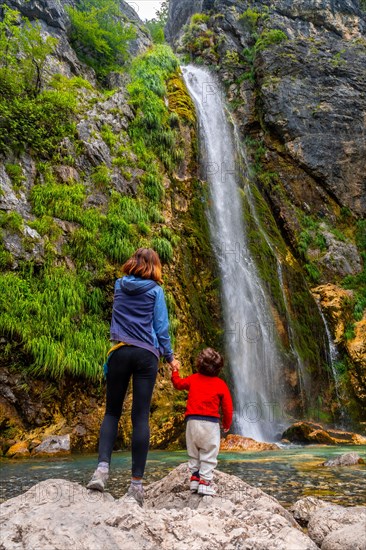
(139, 330)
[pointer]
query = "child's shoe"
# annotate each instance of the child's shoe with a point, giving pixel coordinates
(98, 481)
(194, 482)
(205, 488)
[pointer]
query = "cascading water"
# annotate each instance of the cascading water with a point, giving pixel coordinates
(252, 350)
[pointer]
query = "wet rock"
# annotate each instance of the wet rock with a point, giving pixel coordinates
(334, 302)
(60, 514)
(305, 507)
(332, 519)
(308, 432)
(53, 445)
(346, 459)
(18, 450)
(233, 442)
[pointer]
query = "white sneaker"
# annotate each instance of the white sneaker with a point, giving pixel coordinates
(194, 483)
(135, 494)
(205, 488)
(98, 481)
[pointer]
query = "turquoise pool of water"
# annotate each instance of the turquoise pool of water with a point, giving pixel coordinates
(288, 474)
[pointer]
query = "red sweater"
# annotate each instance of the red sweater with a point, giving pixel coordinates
(206, 394)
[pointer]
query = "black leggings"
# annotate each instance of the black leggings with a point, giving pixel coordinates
(143, 366)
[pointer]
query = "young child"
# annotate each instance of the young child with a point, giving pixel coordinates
(206, 393)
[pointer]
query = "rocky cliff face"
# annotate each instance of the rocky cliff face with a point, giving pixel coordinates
(295, 78)
(72, 213)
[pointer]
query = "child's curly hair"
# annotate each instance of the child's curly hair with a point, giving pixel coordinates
(209, 362)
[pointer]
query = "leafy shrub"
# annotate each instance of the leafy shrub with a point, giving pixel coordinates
(150, 131)
(12, 221)
(270, 37)
(358, 282)
(157, 24)
(250, 17)
(49, 314)
(15, 173)
(313, 272)
(163, 247)
(58, 200)
(30, 117)
(38, 123)
(23, 53)
(99, 35)
(153, 187)
(46, 225)
(198, 18)
(109, 136)
(101, 176)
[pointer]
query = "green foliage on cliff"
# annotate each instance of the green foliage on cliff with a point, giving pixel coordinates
(99, 35)
(151, 131)
(251, 16)
(23, 53)
(30, 116)
(269, 37)
(357, 283)
(157, 24)
(59, 315)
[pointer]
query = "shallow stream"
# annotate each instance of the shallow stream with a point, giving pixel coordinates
(288, 474)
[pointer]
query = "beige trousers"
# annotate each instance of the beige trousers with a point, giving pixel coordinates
(203, 444)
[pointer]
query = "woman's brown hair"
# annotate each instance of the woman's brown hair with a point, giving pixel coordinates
(209, 362)
(145, 263)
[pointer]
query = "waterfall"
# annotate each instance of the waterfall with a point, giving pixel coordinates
(250, 335)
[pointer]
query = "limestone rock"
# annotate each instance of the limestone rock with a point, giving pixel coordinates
(179, 13)
(19, 450)
(303, 509)
(341, 258)
(334, 302)
(55, 21)
(61, 514)
(351, 537)
(308, 432)
(346, 459)
(233, 442)
(331, 519)
(53, 445)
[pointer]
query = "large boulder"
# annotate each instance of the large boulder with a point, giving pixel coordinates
(346, 527)
(346, 459)
(234, 442)
(61, 514)
(303, 509)
(53, 445)
(309, 432)
(18, 450)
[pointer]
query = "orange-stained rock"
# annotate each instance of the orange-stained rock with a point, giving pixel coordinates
(235, 442)
(335, 303)
(357, 346)
(309, 432)
(19, 450)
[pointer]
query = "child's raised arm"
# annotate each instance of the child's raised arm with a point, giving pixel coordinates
(180, 383)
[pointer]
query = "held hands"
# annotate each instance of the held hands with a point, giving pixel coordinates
(175, 365)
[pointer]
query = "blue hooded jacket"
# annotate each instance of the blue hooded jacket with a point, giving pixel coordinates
(140, 316)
